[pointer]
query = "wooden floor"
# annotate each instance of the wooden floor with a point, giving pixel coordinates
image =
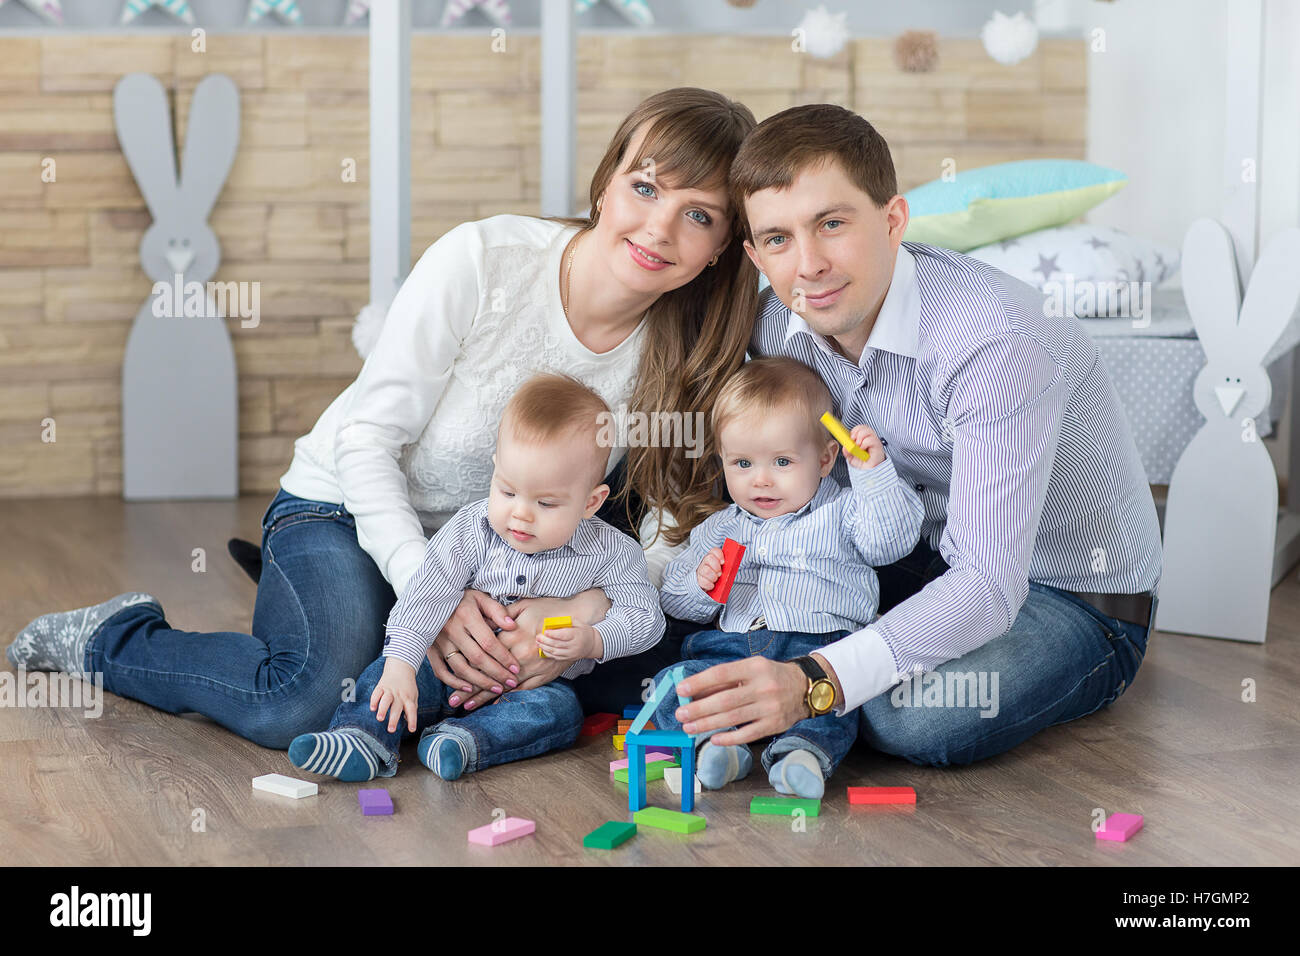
(1215, 777)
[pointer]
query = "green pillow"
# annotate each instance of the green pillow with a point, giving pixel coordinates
(991, 203)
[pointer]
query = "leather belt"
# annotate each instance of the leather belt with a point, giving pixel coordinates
(1136, 609)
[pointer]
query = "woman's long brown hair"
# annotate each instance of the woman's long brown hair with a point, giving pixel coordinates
(696, 335)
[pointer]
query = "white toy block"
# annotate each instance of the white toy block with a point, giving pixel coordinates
(673, 777)
(284, 786)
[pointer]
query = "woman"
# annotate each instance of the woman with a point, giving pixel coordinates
(650, 301)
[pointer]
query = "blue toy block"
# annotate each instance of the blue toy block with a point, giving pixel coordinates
(679, 675)
(636, 745)
(630, 712)
(665, 738)
(661, 691)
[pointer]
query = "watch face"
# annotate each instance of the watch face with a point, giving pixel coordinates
(822, 695)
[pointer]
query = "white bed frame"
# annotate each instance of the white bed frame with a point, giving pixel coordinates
(390, 224)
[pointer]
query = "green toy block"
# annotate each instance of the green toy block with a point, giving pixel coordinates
(653, 771)
(784, 806)
(670, 820)
(609, 835)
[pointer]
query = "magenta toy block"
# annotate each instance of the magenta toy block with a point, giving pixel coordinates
(1120, 826)
(375, 802)
(649, 758)
(511, 828)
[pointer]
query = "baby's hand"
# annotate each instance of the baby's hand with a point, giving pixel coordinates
(571, 643)
(868, 441)
(396, 692)
(710, 569)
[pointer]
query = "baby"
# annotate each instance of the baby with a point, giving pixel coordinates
(535, 534)
(806, 578)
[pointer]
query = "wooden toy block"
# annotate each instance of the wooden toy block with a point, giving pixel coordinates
(618, 741)
(511, 828)
(636, 747)
(836, 428)
(1120, 826)
(625, 725)
(732, 552)
(597, 724)
(284, 786)
(663, 819)
(880, 795)
(676, 739)
(609, 835)
(375, 802)
(784, 806)
(649, 759)
(631, 712)
(653, 771)
(673, 777)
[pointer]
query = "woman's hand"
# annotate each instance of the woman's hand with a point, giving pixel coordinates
(467, 656)
(588, 607)
(757, 696)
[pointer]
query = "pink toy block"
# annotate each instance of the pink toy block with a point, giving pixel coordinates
(492, 834)
(1120, 826)
(880, 795)
(649, 758)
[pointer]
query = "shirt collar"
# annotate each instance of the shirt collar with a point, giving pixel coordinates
(896, 327)
(827, 490)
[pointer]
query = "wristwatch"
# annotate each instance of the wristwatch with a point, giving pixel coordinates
(820, 696)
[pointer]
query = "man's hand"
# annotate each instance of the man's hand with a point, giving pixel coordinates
(396, 693)
(757, 696)
(710, 569)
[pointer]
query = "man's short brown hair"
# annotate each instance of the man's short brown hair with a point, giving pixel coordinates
(786, 143)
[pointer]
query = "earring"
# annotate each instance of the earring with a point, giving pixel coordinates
(713, 261)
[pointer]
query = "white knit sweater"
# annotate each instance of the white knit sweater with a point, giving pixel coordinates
(411, 440)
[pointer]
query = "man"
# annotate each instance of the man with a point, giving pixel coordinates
(1031, 590)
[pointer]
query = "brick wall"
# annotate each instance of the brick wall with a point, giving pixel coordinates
(70, 279)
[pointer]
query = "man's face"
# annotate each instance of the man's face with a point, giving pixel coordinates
(826, 248)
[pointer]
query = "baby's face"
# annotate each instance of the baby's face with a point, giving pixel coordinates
(541, 491)
(772, 464)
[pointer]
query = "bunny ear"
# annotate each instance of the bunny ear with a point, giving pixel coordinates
(1272, 296)
(144, 128)
(211, 138)
(1210, 286)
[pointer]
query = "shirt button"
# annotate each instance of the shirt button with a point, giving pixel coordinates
(521, 578)
(884, 442)
(920, 487)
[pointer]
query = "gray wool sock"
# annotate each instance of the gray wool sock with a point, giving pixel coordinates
(57, 642)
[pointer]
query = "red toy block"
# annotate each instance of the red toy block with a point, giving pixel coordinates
(732, 552)
(880, 795)
(597, 724)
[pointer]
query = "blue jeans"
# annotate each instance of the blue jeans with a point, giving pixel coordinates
(318, 620)
(828, 738)
(517, 725)
(1062, 659)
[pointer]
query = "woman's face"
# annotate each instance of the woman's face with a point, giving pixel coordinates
(654, 238)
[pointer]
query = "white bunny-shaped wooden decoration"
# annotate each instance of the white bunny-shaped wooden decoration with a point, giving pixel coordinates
(1221, 513)
(179, 392)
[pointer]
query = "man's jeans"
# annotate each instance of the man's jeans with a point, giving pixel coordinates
(517, 725)
(828, 738)
(1061, 660)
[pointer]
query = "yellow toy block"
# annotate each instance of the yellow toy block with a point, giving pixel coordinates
(618, 741)
(834, 426)
(556, 623)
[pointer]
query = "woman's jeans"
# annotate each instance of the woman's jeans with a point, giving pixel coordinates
(318, 622)
(518, 724)
(1062, 659)
(828, 738)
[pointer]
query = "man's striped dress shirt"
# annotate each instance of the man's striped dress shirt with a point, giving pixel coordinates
(1008, 425)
